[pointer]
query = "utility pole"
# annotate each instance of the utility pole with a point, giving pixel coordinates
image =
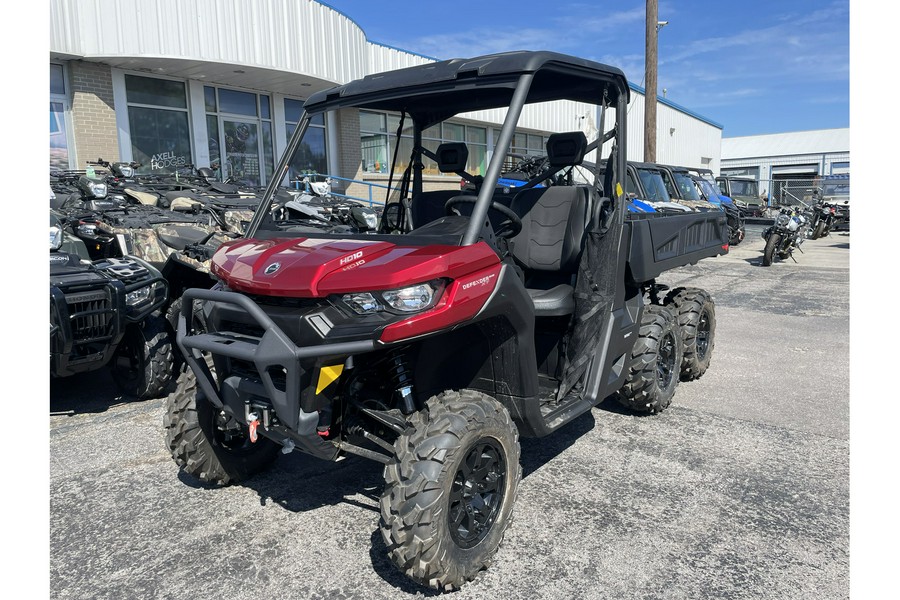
(650, 60)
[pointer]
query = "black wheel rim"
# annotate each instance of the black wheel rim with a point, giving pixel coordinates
(703, 332)
(665, 360)
(476, 493)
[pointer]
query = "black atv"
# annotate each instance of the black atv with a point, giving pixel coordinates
(105, 313)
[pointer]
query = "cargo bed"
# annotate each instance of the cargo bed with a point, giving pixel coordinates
(659, 242)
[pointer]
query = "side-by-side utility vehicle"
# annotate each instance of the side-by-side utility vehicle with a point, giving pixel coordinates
(467, 319)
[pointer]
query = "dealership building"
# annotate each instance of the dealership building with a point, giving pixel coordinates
(222, 82)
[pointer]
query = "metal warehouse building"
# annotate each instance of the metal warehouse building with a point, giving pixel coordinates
(792, 160)
(222, 82)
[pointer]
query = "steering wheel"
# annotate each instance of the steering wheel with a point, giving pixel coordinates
(507, 229)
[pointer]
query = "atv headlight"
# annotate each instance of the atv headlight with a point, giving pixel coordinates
(414, 298)
(126, 171)
(411, 299)
(56, 237)
(98, 190)
(87, 229)
(139, 296)
(362, 304)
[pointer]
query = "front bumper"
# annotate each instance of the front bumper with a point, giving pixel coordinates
(261, 369)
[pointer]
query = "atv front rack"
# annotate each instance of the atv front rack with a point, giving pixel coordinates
(274, 356)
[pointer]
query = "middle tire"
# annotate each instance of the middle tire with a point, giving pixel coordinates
(449, 495)
(695, 312)
(655, 363)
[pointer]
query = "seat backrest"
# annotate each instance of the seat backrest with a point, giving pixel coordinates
(554, 221)
(429, 206)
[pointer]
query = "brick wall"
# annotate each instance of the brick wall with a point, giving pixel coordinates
(93, 113)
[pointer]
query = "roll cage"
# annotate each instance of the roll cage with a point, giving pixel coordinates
(428, 94)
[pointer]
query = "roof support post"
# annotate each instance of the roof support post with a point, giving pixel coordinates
(501, 148)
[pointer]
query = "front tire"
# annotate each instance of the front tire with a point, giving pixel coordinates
(771, 250)
(143, 363)
(654, 367)
(449, 495)
(695, 312)
(209, 445)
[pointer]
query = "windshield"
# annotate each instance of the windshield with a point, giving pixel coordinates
(744, 188)
(709, 190)
(654, 185)
(686, 186)
(837, 189)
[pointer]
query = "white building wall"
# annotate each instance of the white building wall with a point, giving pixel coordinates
(299, 36)
(281, 38)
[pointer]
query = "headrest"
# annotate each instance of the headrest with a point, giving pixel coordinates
(566, 149)
(452, 157)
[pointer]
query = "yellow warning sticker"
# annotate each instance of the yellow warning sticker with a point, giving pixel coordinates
(327, 376)
(618, 189)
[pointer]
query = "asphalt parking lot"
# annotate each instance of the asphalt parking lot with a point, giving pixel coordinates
(739, 490)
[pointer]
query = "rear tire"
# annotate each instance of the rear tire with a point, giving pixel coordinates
(655, 363)
(771, 250)
(143, 363)
(449, 495)
(820, 230)
(213, 448)
(695, 312)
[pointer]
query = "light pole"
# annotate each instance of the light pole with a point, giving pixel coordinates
(653, 25)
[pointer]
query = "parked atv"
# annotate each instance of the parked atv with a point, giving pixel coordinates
(105, 313)
(465, 321)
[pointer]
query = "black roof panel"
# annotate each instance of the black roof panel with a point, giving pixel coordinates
(436, 91)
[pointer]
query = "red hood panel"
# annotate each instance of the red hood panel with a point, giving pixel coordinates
(304, 267)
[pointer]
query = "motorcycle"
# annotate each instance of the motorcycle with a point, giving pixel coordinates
(822, 220)
(785, 235)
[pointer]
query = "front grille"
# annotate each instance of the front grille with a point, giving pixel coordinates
(91, 315)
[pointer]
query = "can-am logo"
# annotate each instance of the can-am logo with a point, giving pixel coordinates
(350, 258)
(272, 268)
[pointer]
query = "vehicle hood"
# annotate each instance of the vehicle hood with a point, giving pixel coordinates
(309, 267)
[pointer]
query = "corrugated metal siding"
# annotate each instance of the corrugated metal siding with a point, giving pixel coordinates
(384, 58)
(785, 144)
(692, 141)
(298, 36)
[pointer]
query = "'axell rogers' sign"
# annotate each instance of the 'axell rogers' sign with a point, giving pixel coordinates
(167, 160)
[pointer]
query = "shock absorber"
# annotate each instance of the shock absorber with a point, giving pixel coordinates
(401, 374)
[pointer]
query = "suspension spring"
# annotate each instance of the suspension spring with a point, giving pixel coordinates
(401, 373)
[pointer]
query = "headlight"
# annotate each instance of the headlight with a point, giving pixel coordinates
(139, 296)
(126, 171)
(87, 229)
(362, 304)
(98, 190)
(782, 220)
(410, 299)
(56, 237)
(364, 217)
(414, 298)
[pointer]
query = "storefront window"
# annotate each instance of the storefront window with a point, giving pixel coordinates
(378, 140)
(158, 123)
(59, 137)
(240, 135)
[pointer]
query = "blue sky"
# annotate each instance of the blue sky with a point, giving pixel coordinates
(754, 67)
